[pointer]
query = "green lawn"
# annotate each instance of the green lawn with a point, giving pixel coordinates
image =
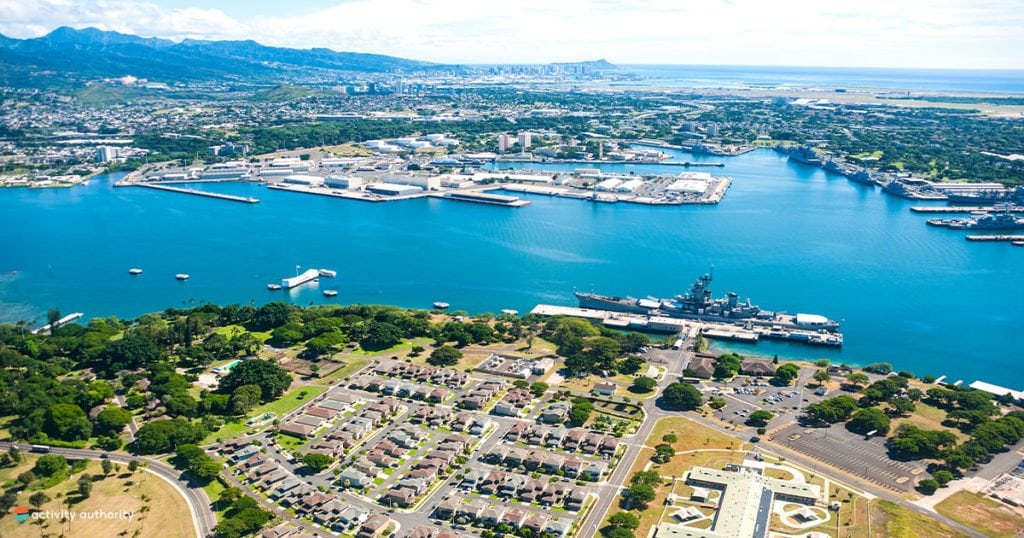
(406, 345)
(290, 400)
(283, 405)
(290, 442)
(228, 331)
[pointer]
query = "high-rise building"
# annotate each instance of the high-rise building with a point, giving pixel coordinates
(504, 141)
(524, 139)
(105, 154)
(712, 130)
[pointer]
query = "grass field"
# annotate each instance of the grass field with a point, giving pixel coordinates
(982, 514)
(890, 520)
(691, 435)
(158, 510)
(230, 330)
(285, 404)
(929, 418)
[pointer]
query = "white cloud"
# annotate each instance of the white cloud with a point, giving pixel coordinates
(911, 33)
(32, 19)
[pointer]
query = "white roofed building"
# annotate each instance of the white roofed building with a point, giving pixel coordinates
(609, 184)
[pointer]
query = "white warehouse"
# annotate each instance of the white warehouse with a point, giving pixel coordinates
(301, 179)
(609, 184)
(630, 186)
(343, 182)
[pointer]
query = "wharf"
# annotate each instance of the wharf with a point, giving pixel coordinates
(483, 198)
(62, 321)
(713, 196)
(717, 151)
(995, 238)
(348, 195)
(654, 163)
(195, 192)
(477, 195)
(960, 209)
(735, 335)
(737, 332)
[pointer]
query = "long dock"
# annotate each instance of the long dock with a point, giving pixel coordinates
(1011, 238)
(960, 209)
(687, 164)
(194, 192)
(62, 321)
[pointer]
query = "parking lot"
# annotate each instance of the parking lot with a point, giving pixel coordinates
(851, 452)
(742, 399)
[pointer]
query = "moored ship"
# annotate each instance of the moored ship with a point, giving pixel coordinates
(1001, 219)
(804, 155)
(699, 304)
(863, 177)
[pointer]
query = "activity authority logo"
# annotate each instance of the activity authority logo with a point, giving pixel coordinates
(20, 514)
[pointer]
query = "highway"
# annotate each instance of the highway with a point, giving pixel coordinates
(203, 518)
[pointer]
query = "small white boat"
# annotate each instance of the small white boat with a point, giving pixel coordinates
(440, 305)
(510, 312)
(181, 276)
(135, 271)
(273, 287)
(328, 273)
(330, 293)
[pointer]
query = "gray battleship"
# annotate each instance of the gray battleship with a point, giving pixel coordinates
(804, 155)
(863, 177)
(699, 304)
(1000, 219)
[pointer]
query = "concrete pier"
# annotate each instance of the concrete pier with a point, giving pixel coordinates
(961, 209)
(995, 237)
(195, 192)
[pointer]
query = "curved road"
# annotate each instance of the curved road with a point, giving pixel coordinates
(203, 518)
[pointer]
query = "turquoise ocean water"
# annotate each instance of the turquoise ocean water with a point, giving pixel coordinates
(790, 237)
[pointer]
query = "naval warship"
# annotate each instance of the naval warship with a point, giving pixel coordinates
(699, 304)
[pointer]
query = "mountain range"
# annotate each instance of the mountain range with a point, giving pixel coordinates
(68, 55)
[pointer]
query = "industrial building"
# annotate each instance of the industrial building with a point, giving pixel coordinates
(424, 182)
(608, 185)
(343, 182)
(688, 185)
(480, 177)
(630, 186)
(301, 179)
(228, 170)
(340, 162)
(393, 189)
(229, 149)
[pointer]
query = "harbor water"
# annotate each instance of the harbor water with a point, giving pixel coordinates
(790, 237)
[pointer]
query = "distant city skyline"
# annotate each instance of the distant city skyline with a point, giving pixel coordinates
(870, 33)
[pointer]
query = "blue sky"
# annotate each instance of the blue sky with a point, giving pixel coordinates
(871, 33)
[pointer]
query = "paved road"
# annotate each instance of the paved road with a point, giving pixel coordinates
(203, 518)
(608, 493)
